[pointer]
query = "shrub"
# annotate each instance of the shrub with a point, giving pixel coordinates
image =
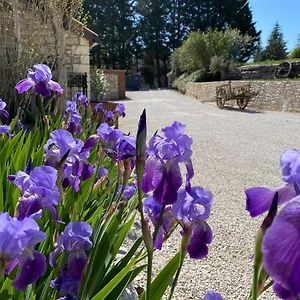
(99, 84)
(200, 47)
(197, 76)
(295, 53)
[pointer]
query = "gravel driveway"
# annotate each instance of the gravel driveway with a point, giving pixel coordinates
(233, 150)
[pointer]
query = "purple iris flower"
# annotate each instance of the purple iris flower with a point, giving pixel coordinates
(3, 112)
(5, 129)
(17, 239)
(74, 240)
(125, 147)
(153, 210)
(281, 250)
(120, 110)
(259, 199)
(211, 295)
(81, 98)
(191, 210)
(75, 167)
(73, 118)
(162, 173)
(108, 135)
(99, 107)
(40, 80)
(38, 191)
(109, 116)
(129, 192)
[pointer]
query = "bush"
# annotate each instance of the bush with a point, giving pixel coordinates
(295, 53)
(197, 76)
(99, 84)
(200, 47)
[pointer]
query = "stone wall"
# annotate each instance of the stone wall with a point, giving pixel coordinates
(117, 84)
(280, 95)
(78, 56)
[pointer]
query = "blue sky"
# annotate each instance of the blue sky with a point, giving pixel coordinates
(286, 12)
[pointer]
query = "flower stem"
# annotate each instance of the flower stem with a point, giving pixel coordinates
(149, 275)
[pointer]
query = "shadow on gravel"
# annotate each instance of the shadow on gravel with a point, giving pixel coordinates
(245, 111)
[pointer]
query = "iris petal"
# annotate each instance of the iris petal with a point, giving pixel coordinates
(31, 269)
(167, 180)
(200, 236)
(281, 248)
(259, 199)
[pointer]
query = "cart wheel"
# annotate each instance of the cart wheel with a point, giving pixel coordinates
(220, 102)
(283, 70)
(242, 103)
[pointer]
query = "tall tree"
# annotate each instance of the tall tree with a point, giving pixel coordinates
(152, 21)
(113, 20)
(276, 46)
(223, 14)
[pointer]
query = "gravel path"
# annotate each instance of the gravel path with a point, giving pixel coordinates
(232, 150)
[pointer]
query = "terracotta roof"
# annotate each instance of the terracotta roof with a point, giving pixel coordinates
(89, 34)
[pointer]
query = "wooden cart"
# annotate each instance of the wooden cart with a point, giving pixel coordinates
(241, 93)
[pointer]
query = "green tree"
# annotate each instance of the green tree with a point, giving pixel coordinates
(152, 24)
(199, 48)
(113, 20)
(276, 46)
(220, 14)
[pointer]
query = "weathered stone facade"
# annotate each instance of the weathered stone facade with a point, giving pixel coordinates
(24, 31)
(280, 95)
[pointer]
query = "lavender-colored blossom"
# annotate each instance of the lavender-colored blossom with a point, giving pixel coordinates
(73, 118)
(99, 107)
(281, 250)
(108, 134)
(162, 171)
(38, 191)
(175, 145)
(109, 116)
(75, 167)
(5, 129)
(259, 199)
(40, 80)
(17, 239)
(129, 192)
(125, 147)
(191, 210)
(74, 240)
(120, 110)
(3, 112)
(211, 295)
(193, 204)
(81, 98)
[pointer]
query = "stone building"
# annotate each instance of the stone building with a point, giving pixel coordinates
(33, 31)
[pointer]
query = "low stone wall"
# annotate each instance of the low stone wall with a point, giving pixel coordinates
(281, 95)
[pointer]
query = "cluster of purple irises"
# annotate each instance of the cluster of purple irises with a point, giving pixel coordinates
(39, 191)
(111, 116)
(162, 181)
(66, 164)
